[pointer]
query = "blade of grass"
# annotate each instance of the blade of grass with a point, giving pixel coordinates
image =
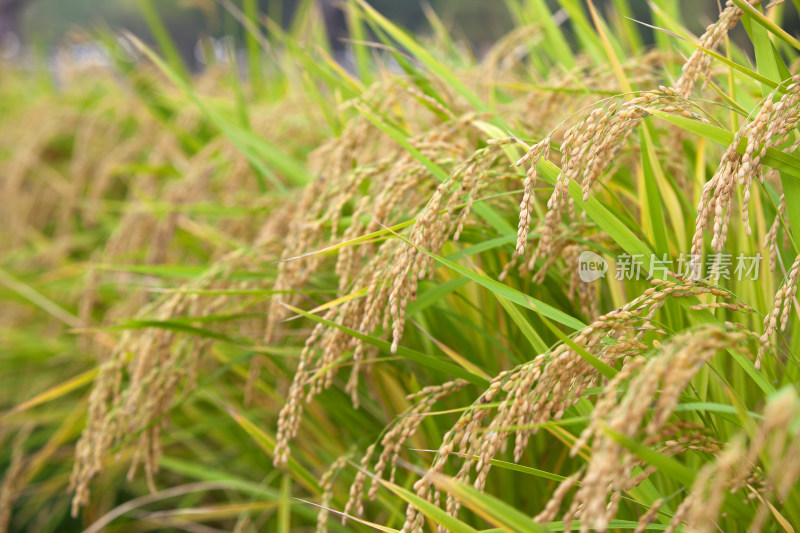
(53, 393)
(503, 291)
(494, 510)
(425, 57)
(668, 466)
(611, 51)
(367, 523)
(767, 23)
(755, 76)
(267, 443)
(434, 512)
(765, 57)
(251, 145)
(791, 193)
(284, 505)
(557, 48)
(777, 159)
(603, 368)
(524, 326)
(163, 39)
(358, 34)
(423, 359)
(253, 43)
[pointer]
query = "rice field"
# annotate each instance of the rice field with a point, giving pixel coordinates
(550, 288)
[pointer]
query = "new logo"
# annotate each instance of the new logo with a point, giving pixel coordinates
(591, 267)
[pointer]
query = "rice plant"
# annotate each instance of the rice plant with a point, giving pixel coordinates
(434, 292)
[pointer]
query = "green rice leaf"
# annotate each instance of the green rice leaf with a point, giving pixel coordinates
(492, 509)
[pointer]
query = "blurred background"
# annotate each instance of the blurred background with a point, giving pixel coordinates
(49, 25)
